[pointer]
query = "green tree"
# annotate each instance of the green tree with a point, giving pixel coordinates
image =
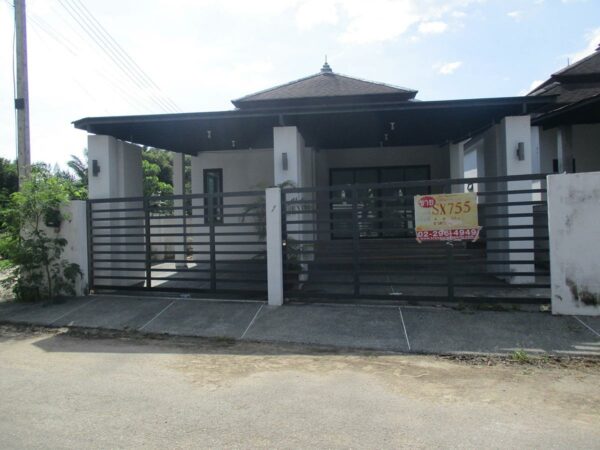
(40, 272)
(153, 184)
(9, 179)
(80, 167)
(158, 171)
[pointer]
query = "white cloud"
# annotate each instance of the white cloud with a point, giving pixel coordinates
(447, 68)
(312, 13)
(384, 20)
(432, 27)
(593, 40)
(515, 15)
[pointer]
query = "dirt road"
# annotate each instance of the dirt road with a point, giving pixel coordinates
(64, 391)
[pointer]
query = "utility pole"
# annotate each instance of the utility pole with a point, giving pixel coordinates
(22, 100)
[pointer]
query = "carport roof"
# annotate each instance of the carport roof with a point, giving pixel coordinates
(325, 126)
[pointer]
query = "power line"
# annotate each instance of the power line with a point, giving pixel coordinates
(123, 61)
(126, 94)
(141, 71)
(92, 35)
(62, 41)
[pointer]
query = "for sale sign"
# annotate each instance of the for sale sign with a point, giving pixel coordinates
(446, 217)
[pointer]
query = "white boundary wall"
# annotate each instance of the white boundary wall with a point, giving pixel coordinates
(74, 230)
(574, 219)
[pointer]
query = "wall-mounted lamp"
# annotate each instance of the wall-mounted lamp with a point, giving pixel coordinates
(233, 143)
(208, 134)
(520, 151)
(284, 161)
(95, 167)
(392, 126)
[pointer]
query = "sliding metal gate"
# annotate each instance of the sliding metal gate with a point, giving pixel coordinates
(212, 243)
(358, 242)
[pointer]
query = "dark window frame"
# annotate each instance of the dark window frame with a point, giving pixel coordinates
(217, 212)
(379, 170)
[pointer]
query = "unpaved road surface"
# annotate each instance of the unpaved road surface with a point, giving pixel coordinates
(63, 390)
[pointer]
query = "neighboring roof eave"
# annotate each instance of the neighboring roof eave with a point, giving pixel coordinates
(560, 115)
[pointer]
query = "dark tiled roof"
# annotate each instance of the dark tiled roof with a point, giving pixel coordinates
(571, 85)
(590, 65)
(584, 70)
(326, 85)
(569, 92)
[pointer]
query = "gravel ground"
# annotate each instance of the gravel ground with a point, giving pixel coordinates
(5, 291)
(74, 389)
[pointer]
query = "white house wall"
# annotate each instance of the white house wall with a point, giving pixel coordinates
(243, 170)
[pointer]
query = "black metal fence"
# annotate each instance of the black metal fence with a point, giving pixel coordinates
(358, 241)
(203, 243)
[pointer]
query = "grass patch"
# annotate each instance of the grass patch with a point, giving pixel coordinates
(5, 264)
(520, 356)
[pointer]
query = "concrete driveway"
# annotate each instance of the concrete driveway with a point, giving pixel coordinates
(397, 329)
(59, 390)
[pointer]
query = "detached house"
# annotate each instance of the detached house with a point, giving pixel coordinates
(350, 155)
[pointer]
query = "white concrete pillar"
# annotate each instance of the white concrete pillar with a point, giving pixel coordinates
(115, 171)
(179, 189)
(294, 163)
(274, 246)
(120, 168)
(536, 161)
(564, 147)
(516, 150)
(288, 146)
(457, 164)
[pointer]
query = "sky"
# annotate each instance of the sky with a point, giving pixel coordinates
(160, 56)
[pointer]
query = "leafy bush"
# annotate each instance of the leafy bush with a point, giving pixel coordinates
(40, 272)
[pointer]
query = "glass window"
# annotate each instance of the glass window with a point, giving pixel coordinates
(213, 204)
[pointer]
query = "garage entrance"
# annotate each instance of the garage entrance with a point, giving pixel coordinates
(328, 253)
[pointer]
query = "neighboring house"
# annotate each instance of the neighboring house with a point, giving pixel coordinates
(327, 133)
(570, 130)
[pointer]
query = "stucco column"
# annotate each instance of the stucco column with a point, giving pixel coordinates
(564, 149)
(115, 171)
(274, 246)
(119, 167)
(294, 163)
(288, 149)
(517, 154)
(179, 189)
(457, 164)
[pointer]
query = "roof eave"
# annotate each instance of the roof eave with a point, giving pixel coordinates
(85, 123)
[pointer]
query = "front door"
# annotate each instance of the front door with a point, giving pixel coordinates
(383, 212)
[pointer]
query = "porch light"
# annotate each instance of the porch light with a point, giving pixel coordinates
(233, 143)
(284, 161)
(520, 151)
(95, 167)
(208, 134)
(392, 126)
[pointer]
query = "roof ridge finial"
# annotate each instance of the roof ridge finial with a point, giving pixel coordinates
(326, 68)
